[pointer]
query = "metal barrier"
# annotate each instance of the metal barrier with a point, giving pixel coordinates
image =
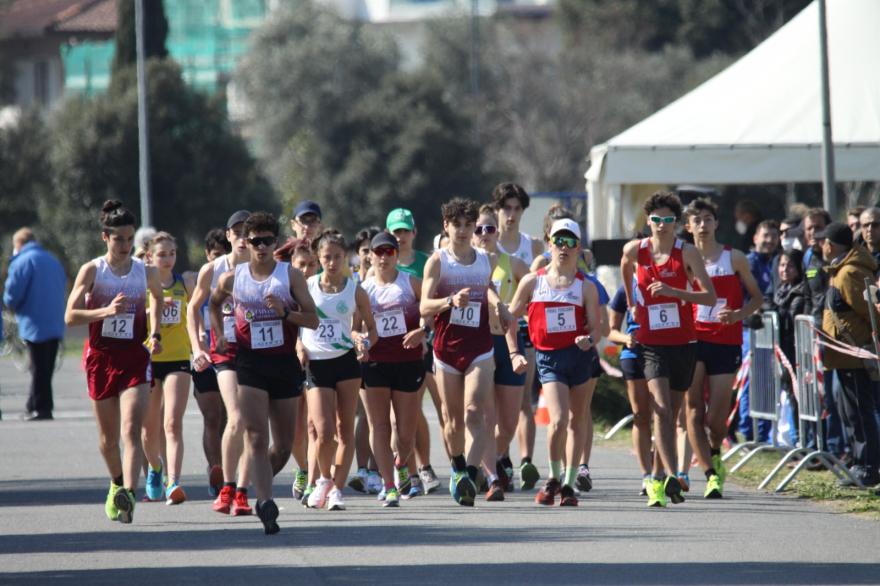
(765, 383)
(808, 391)
(618, 426)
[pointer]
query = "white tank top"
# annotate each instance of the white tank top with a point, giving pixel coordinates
(524, 252)
(257, 327)
(129, 327)
(332, 337)
(221, 265)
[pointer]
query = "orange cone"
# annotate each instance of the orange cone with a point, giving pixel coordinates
(542, 416)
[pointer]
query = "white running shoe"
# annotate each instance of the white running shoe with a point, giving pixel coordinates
(374, 482)
(319, 495)
(430, 482)
(335, 501)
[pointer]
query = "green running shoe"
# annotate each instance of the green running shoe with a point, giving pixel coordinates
(124, 501)
(392, 498)
(299, 484)
(656, 494)
(720, 470)
(528, 475)
(109, 505)
(713, 487)
(403, 481)
(464, 490)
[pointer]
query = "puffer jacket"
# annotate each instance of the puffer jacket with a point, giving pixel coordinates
(788, 303)
(845, 299)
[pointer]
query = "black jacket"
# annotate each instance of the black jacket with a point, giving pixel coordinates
(816, 284)
(789, 301)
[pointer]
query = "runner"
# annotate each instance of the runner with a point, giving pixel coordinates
(207, 390)
(509, 377)
(563, 309)
(110, 296)
(232, 498)
(333, 352)
(171, 378)
(719, 340)
(402, 225)
(396, 371)
(458, 293)
(511, 202)
(271, 302)
(664, 268)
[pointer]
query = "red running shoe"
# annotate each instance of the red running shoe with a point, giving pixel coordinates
(567, 498)
(496, 492)
(223, 502)
(547, 494)
(240, 506)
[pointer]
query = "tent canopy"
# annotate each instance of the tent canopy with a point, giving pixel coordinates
(758, 121)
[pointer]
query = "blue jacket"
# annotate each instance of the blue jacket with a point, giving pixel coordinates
(763, 268)
(35, 290)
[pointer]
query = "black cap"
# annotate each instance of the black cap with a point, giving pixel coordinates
(384, 239)
(837, 233)
(307, 207)
(237, 218)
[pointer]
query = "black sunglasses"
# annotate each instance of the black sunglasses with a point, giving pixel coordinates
(256, 241)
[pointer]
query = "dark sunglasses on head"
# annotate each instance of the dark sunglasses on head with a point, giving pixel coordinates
(566, 241)
(385, 251)
(485, 229)
(256, 241)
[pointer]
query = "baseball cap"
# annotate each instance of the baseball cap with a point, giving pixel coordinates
(838, 233)
(237, 218)
(565, 225)
(384, 239)
(307, 207)
(400, 218)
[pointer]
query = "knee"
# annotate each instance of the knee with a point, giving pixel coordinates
(213, 421)
(324, 434)
(558, 424)
(131, 432)
(473, 416)
(173, 428)
(641, 419)
(107, 443)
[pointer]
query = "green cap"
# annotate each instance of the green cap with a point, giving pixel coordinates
(400, 218)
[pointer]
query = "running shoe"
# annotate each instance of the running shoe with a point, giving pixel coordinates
(463, 489)
(656, 495)
(335, 501)
(267, 511)
(403, 482)
(319, 495)
(392, 498)
(496, 492)
(685, 481)
(358, 482)
(240, 506)
(154, 484)
(174, 494)
(567, 497)
(583, 482)
(672, 489)
(374, 482)
(304, 501)
(713, 487)
(547, 495)
(110, 505)
(415, 488)
(300, 480)
(528, 475)
(124, 501)
(215, 480)
(430, 482)
(383, 493)
(223, 502)
(720, 469)
(646, 483)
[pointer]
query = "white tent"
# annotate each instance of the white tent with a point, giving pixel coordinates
(758, 121)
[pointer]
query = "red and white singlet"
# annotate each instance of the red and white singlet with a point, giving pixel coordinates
(556, 316)
(257, 327)
(728, 288)
(663, 321)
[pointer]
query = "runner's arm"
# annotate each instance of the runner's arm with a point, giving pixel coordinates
(76, 312)
(616, 333)
(202, 290)
(429, 306)
(218, 296)
(627, 270)
(520, 302)
(741, 267)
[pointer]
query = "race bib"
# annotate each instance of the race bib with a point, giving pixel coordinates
(266, 334)
(119, 327)
(229, 328)
(560, 319)
(329, 331)
(663, 316)
(468, 317)
(171, 312)
(391, 323)
(709, 313)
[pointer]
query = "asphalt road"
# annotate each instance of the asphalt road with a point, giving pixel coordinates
(52, 526)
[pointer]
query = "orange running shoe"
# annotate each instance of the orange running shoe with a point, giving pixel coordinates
(547, 494)
(240, 506)
(223, 502)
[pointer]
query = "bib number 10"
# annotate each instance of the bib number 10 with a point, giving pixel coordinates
(468, 317)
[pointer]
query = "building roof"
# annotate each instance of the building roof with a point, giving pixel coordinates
(35, 18)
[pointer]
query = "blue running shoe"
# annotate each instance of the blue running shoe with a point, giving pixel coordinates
(155, 491)
(464, 490)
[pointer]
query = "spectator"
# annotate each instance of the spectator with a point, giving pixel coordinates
(762, 259)
(35, 290)
(791, 234)
(846, 319)
(869, 224)
(853, 216)
(788, 303)
(748, 216)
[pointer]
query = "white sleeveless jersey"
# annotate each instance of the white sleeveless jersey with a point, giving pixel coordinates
(257, 327)
(396, 311)
(128, 328)
(524, 252)
(221, 265)
(332, 337)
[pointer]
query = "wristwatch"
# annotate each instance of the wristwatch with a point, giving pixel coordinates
(157, 336)
(449, 301)
(286, 313)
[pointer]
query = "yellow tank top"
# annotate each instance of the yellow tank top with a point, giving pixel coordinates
(503, 278)
(175, 340)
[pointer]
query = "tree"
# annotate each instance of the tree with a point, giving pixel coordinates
(201, 169)
(340, 123)
(155, 33)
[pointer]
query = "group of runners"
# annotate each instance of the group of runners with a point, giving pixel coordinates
(288, 344)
